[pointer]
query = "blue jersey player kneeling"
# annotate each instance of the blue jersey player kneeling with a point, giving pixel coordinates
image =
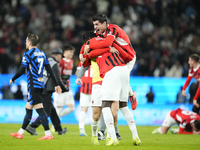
(34, 61)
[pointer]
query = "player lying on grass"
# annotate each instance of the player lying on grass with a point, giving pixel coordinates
(188, 121)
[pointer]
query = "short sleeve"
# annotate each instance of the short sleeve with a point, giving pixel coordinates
(190, 72)
(113, 31)
(46, 60)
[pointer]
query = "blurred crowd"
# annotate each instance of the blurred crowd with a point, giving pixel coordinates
(163, 32)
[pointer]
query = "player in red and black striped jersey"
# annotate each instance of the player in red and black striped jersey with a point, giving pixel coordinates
(85, 97)
(189, 122)
(194, 72)
(114, 92)
(114, 34)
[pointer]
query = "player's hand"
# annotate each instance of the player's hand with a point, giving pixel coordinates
(79, 81)
(195, 103)
(197, 132)
(11, 82)
(183, 93)
(58, 89)
(81, 56)
(86, 49)
(83, 60)
(114, 50)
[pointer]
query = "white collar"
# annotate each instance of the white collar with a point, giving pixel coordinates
(195, 69)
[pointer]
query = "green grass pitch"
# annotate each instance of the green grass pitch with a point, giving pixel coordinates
(72, 141)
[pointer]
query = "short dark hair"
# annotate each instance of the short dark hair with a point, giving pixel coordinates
(69, 48)
(197, 124)
(100, 17)
(195, 57)
(88, 35)
(33, 38)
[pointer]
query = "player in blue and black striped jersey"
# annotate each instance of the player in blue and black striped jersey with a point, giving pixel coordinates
(34, 61)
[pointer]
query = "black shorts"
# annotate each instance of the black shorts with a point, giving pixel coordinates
(35, 96)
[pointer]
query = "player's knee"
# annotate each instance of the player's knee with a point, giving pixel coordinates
(96, 116)
(115, 115)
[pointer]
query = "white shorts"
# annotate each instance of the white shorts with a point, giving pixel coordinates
(169, 121)
(63, 99)
(130, 64)
(85, 100)
(115, 85)
(96, 95)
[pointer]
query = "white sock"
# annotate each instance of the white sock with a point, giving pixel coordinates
(108, 135)
(130, 120)
(21, 131)
(109, 121)
(130, 91)
(82, 120)
(66, 111)
(175, 131)
(159, 130)
(59, 110)
(94, 126)
(47, 132)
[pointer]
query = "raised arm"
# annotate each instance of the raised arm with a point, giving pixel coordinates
(104, 44)
(98, 52)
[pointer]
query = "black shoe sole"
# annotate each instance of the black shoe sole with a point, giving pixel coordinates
(63, 132)
(31, 132)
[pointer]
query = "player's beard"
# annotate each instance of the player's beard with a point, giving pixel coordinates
(27, 47)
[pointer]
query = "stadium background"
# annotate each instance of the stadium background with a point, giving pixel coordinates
(163, 33)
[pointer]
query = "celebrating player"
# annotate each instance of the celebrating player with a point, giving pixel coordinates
(66, 98)
(193, 72)
(114, 34)
(188, 121)
(85, 97)
(34, 61)
(112, 68)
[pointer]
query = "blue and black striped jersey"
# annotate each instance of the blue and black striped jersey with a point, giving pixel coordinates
(34, 60)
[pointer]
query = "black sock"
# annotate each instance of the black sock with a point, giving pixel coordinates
(27, 118)
(43, 118)
(102, 132)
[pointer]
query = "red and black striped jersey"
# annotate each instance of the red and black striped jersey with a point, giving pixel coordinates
(114, 34)
(66, 66)
(107, 60)
(86, 87)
